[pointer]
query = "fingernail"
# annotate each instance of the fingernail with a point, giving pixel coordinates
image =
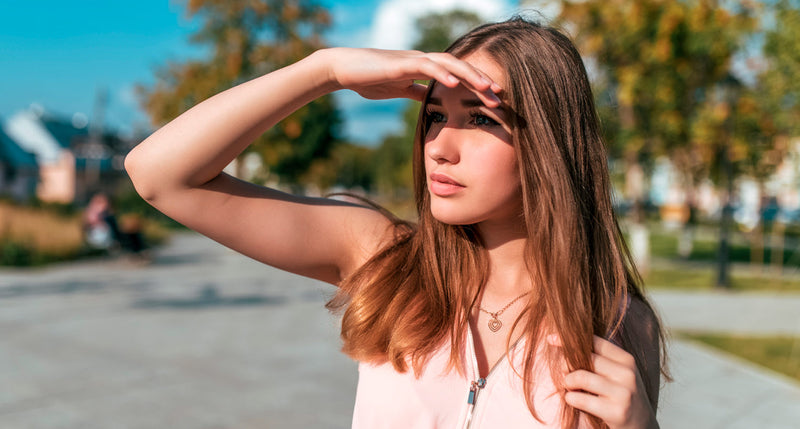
(486, 81)
(453, 79)
(496, 87)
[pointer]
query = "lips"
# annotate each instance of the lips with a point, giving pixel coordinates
(443, 185)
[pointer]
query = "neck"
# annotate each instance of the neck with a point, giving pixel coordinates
(508, 274)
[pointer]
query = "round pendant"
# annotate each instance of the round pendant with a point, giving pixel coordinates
(495, 325)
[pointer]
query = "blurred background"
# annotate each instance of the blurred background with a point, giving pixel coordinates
(699, 101)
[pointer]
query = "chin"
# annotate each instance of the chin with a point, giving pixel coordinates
(452, 216)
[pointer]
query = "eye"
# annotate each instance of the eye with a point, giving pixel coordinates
(433, 117)
(483, 120)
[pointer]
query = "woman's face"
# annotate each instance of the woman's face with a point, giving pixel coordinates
(471, 166)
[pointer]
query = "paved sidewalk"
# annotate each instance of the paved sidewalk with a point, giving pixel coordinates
(716, 391)
(206, 338)
(746, 313)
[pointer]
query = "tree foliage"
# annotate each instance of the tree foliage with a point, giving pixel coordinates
(663, 68)
(349, 166)
(779, 84)
(438, 30)
(246, 39)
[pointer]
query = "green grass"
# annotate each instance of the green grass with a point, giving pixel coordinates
(705, 279)
(780, 354)
(665, 245)
(698, 272)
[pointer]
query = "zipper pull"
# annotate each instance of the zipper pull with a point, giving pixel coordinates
(473, 390)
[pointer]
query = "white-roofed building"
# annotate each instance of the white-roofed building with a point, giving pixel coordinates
(72, 162)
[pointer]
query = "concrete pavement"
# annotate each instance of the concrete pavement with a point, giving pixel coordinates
(718, 389)
(206, 338)
(714, 390)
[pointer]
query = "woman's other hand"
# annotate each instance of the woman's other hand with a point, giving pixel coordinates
(614, 392)
(381, 74)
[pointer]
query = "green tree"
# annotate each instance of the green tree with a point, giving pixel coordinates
(393, 163)
(779, 84)
(349, 166)
(666, 88)
(659, 65)
(438, 30)
(246, 39)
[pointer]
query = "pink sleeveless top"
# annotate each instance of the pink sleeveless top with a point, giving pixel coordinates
(442, 398)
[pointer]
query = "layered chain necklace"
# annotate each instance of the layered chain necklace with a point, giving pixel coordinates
(494, 323)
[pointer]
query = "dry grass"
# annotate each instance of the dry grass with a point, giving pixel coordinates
(35, 236)
(45, 232)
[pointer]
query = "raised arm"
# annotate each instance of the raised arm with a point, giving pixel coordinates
(178, 169)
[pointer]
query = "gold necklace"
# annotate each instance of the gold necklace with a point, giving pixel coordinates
(494, 323)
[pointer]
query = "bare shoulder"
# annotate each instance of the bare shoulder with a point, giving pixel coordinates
(369, 231)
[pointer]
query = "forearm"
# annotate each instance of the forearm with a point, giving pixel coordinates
(196, 146)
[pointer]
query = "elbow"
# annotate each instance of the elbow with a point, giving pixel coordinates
(137, 171)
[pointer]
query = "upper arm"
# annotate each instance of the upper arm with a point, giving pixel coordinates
(642, 332)
(314, 237)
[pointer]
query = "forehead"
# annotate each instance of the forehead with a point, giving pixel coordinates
(482, 62)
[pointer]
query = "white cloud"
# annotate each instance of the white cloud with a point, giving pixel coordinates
(393, 25)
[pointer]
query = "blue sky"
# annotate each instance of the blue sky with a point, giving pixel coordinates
(59, 53)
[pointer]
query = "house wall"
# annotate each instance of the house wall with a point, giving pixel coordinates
(57, 183)
(19, 184)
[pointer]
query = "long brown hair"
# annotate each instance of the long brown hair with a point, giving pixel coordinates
(419, 291)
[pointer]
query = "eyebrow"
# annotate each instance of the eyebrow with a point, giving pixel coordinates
(473, 102)
(466, 102)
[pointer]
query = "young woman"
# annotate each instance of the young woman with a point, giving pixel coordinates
(513, 301)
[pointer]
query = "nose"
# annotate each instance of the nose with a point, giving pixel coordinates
(443, 145)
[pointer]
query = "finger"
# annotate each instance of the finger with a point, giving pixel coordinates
(465, 71)
(610, 350)
(430, 69)
(595, 405)
(488, 98)
(494, 87)
(589, 382)
(613, 370)
(416, 91)
(472, 78)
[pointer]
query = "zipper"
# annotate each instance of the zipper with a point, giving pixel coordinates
(478, 384)
(472, 398)
(475, 388)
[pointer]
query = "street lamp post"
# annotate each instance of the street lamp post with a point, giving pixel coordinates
(730, 89)
(723, 253)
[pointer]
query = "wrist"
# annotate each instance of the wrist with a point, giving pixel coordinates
(322, 61)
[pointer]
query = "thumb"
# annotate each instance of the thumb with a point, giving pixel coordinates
(416, 91)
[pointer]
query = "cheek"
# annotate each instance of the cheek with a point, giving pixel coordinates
(499, 166)
(504, 178)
